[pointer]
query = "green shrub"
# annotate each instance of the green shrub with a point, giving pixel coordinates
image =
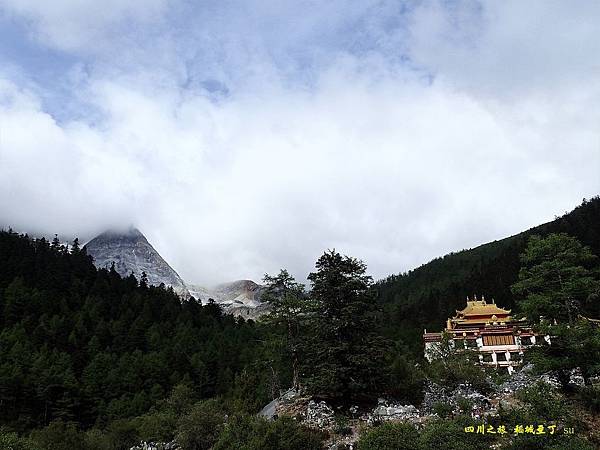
(122, 434)
(406, 379)
(590, 397)
(451, 367)
(465, 405)
(547, 442)
(59, 435)
(545, 402)
(180, 400)
(390, 436)
(442, 409)
(200, 428)
(341, 426)
(254, 433)
(451, 435)
(156, 426)
(97, 440)
(12, 441)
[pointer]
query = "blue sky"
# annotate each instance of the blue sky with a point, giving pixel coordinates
(242, 137)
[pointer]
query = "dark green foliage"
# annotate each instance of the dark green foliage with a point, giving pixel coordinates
(253, 433)
(546, 442)
(590, 398)
(437, 434)
(544, 402)
(555, 281)
(84, 345)
(451, 367)
(155, 426)
(390, 436)
(575, 345)
(425, 297)
(442, 409)
(60, 435)
(450, 435)
(290, 307)
(12, 441)
(465, 405)
(406, 378)
(200, 428)
(344, 354)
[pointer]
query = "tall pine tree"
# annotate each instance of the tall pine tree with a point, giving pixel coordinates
(289, 307)
(344, 354)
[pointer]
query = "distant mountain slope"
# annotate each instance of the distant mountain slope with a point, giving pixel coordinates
(131, 252)
(241, 297)
(426, 296)
(245, 292)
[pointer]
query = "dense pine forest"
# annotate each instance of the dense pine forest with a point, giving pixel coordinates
(426, 296)
(89, 359)
(93, 361)
(86, 345)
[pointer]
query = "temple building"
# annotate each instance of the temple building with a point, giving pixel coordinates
(489, 330)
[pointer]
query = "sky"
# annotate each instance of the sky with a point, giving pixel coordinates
(242, 137)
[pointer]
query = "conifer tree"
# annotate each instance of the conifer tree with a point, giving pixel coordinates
(144, 280)
(75, 248)
(344, 353)
(289, 308)
(555, 278)
(557, 281)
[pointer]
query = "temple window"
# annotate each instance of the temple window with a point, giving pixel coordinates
(501, 339)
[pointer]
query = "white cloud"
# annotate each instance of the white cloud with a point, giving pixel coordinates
(508, 48)
(368, 156)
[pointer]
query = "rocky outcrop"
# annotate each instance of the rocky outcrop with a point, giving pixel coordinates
(131, 252)
(319, 415)
(576, 378)
(387, 410)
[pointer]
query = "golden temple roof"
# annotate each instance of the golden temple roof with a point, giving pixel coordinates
(481, 308)
(480, 312)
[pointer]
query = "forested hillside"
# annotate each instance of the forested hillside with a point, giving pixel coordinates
(86, 345)
(426, 296)
(90, 360)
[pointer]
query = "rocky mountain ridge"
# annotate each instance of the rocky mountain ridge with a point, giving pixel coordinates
(240, 298)
(132, 253)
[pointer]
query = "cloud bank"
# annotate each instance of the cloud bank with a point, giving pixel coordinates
(242, 137)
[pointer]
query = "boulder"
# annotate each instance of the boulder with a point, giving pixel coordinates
(385, 411)
(319, 415)
(576, 378)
